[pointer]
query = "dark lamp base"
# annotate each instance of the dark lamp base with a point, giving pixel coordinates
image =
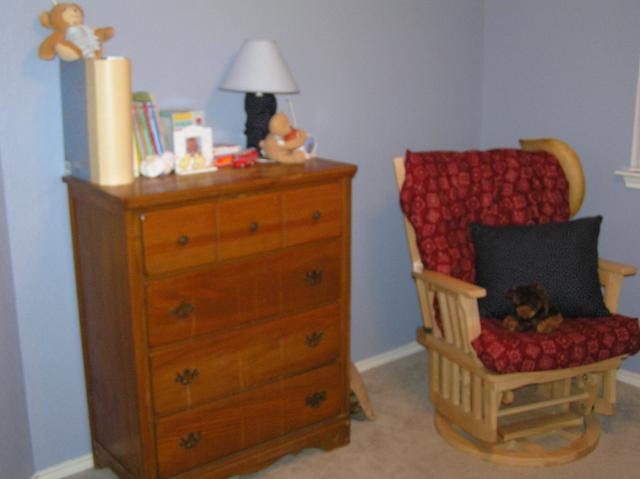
(259, 110)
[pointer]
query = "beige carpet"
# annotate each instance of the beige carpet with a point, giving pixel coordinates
(402, 442)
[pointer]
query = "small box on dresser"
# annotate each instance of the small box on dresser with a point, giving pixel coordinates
(214, 312)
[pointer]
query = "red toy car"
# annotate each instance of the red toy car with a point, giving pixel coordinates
(245, 158)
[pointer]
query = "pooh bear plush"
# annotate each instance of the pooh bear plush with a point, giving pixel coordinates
(284, 143)
(71, 39)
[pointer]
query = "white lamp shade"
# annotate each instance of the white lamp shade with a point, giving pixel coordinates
(260, 68)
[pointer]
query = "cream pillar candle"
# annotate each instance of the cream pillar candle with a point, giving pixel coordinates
(108, 107)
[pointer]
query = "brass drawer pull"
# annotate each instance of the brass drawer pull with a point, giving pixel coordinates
(191, 440)
(314, 400)
(183, 240)
(314, 276)
(313, 340)
(316, 215)
(183, 310)
(187, 376)
(253, 227)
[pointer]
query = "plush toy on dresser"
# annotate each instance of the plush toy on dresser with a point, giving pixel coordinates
(286, 144)
(533, 310)
(71, 39)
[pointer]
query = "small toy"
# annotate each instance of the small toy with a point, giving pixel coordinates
(224, 154)
(71, 38)
(533, 310)
(286, 144)
(154, 165)
(224, 160)
(245, 158)
(237, 159)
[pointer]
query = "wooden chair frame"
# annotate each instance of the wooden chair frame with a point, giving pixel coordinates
(475, 407)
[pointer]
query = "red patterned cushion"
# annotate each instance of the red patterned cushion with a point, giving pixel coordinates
(444, 191)
(576, 342)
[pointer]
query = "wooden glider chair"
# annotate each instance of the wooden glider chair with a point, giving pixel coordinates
(520, 398)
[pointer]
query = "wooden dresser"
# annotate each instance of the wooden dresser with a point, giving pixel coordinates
(214, 313)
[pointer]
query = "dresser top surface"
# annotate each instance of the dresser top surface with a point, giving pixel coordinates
(151, 191)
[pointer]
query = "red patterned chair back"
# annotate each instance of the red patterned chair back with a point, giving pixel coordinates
(445, 191)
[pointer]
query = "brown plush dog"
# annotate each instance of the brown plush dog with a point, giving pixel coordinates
(533, 311)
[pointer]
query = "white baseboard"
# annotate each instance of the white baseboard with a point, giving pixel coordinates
(67, 468)
(85, 462)
(388, 356)
(629, 377)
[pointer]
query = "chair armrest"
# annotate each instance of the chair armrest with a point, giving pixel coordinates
(468, 361)
(458, 307)
(451, 284)
(611, 276)
(616, 268)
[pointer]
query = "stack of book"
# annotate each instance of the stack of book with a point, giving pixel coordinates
(147, 135)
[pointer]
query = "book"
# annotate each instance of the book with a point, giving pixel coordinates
(172, 121)
(155, 127)
(144, 107)
(143, 130)
(226, 149)
(136, 158)
(137, 142)
(147, 131)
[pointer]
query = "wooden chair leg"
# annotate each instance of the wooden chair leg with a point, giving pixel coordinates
(607, 404)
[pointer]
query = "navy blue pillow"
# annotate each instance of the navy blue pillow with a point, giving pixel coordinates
(562, 257)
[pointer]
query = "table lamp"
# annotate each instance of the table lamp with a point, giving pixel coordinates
(259, 70)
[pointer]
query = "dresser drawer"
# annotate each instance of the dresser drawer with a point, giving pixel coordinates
(200, 435)
(250, 225)
(190, 304)
(214, 367)
(313, 213)
(312, 276)
(214, 299)
(179, 237)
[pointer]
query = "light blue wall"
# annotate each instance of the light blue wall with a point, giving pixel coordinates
(569, 69)
(39, 240)
(376, 77)
(16, 457)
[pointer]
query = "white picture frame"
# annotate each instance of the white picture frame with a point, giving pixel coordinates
(193, 148)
